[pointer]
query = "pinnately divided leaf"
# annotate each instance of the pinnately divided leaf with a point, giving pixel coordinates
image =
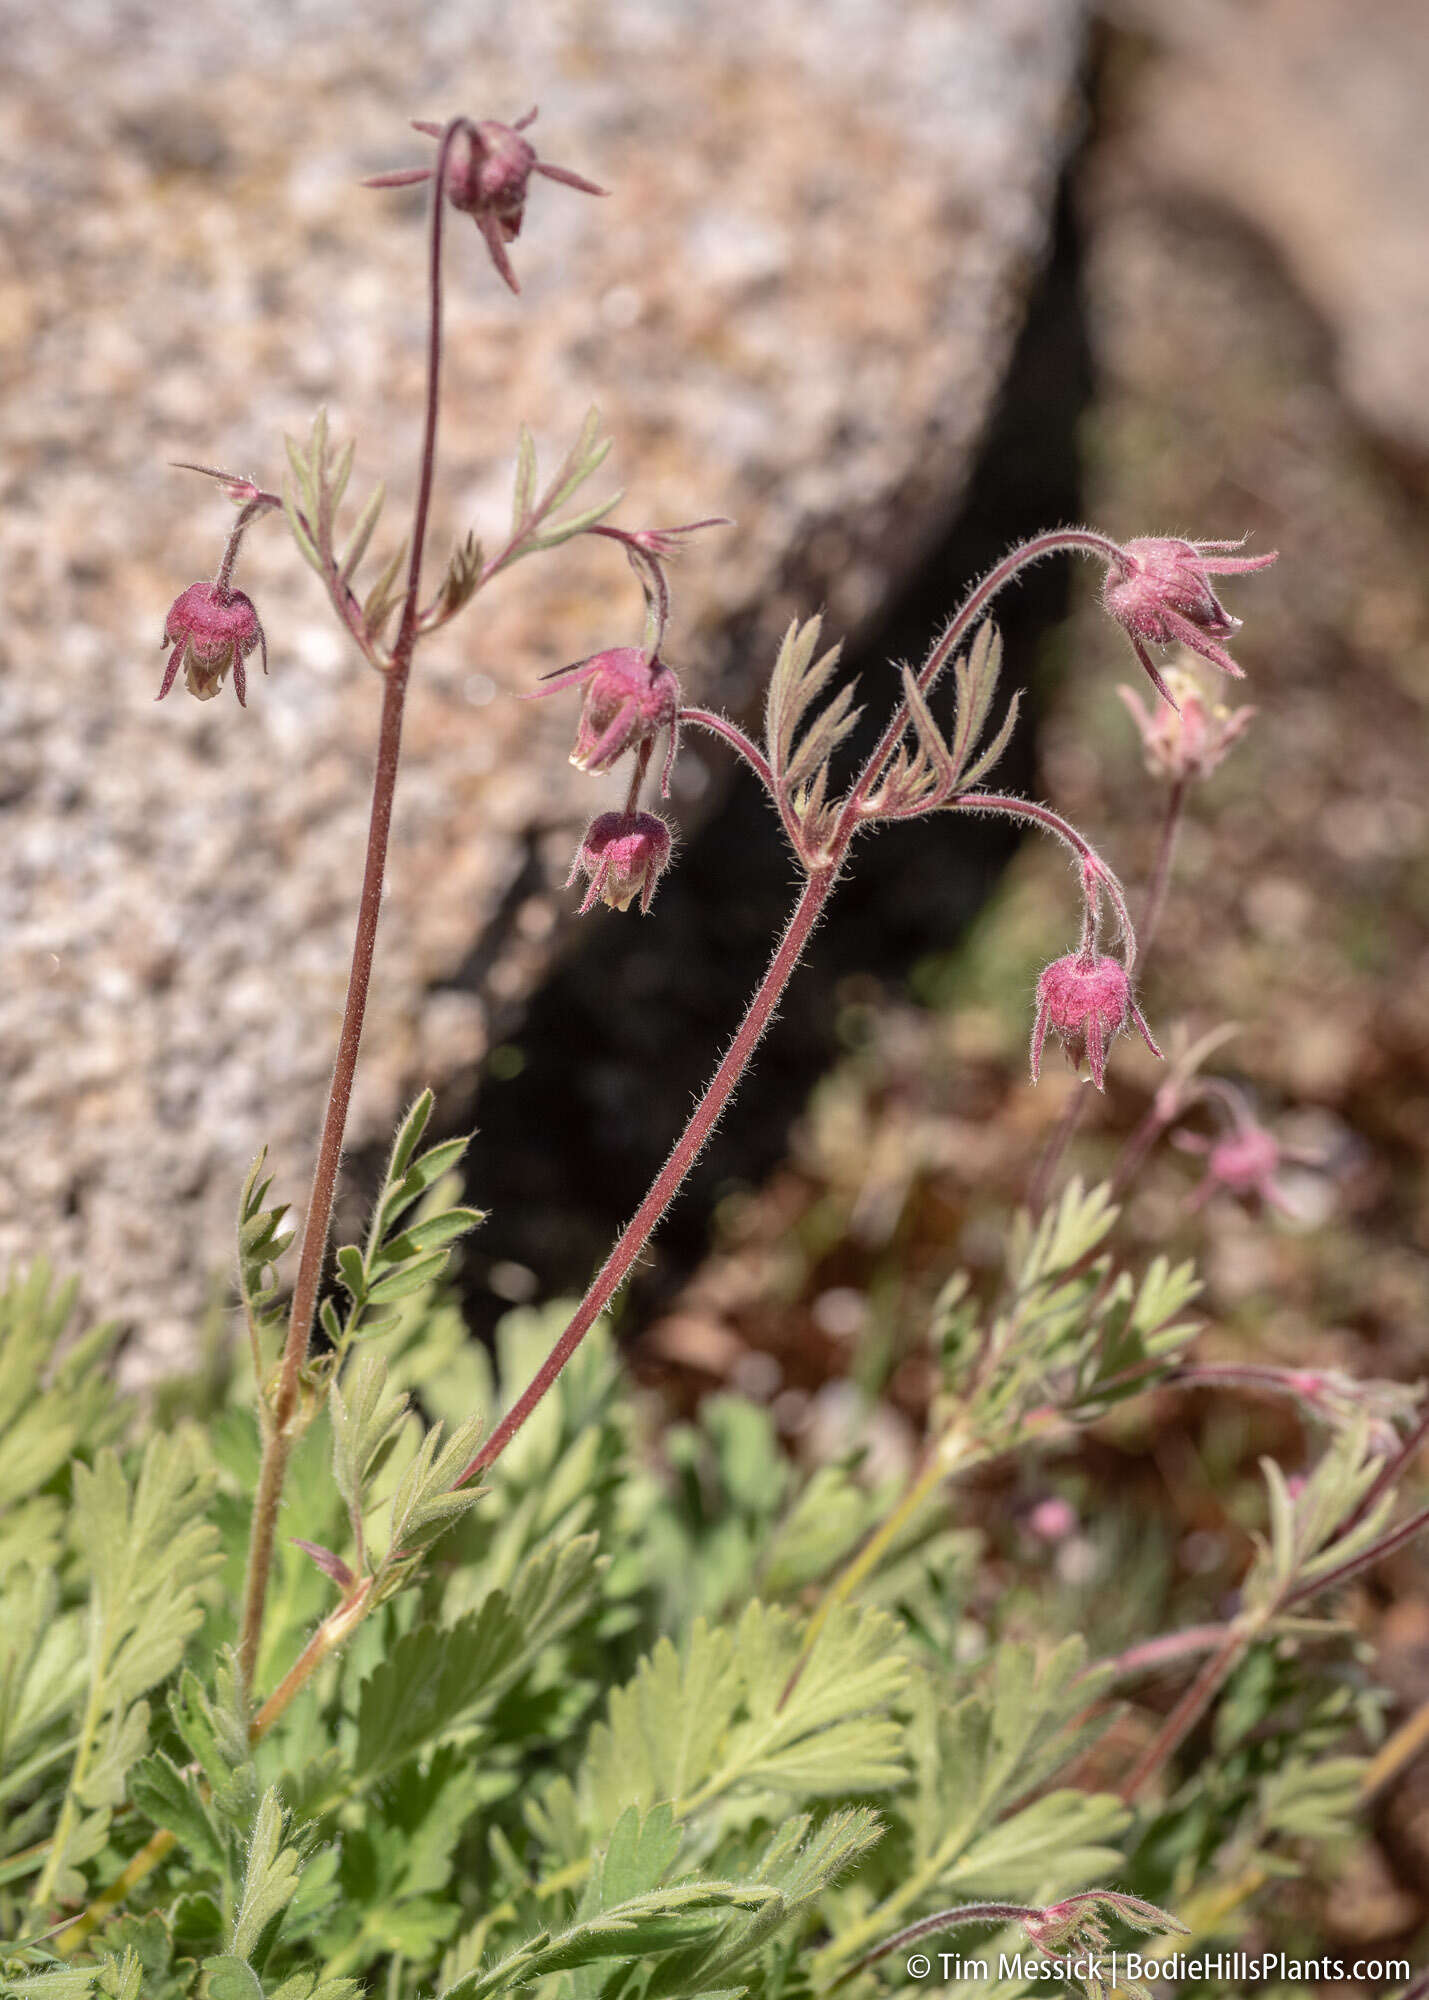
(270, 1877)
(698, 1724)
(436, 1681)
(396, 1263)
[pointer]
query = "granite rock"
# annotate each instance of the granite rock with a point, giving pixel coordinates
(794, 309)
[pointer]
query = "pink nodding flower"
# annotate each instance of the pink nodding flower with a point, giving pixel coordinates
(1159, 591)
(1085, 1000)
(1243, 1162)
(488, 170)
(630, 700)
(211, 630)
(1190, 739)
(624, 854)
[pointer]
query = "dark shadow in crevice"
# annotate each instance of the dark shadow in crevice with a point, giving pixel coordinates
(621, 1036)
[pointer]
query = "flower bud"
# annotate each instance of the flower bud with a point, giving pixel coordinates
(624, 854)
(211, 630)
(489, 166)
(1085, 1000)
(1158, 590)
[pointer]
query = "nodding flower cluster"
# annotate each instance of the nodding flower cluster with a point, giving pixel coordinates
(632, 699)
(1158, 590)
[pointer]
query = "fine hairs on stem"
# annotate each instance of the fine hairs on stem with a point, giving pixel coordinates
(277, 1438)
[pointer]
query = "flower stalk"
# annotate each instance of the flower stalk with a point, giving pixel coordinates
(279, 1417)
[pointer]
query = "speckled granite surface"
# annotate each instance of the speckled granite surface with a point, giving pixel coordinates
(794, 309)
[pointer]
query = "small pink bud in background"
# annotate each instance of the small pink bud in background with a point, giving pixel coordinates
(1159, 591)
(1244, 1162)
(211, 630)
(630, 700)
(624, 854)
(1085, 1000)
(1053, 1519)
(1187, 739)
(488, 171)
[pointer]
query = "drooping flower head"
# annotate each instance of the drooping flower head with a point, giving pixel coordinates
(1159, 591)
(630, 700)
(489, 168)
(1086, 1001)
(212, 630)
(1245, 1161)
(624, 854)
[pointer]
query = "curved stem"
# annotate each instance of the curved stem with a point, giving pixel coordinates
(278, 1421)
(1043, 816)
(806, 914)
(720, 725)
(1188, 1711)
(1165, 1650)
(1146, 1134)
(943, 1920)
(667, 1182)
(259, 504)
(1056, 541)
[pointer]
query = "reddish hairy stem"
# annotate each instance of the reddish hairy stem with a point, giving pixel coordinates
(1388, 1544)
(1056, 541)
(1232, 1642)
(943, 1920)
(1053, 823)
(1188, 1710)
(683, 1154)
(250, 513)
(1071, 1118)
(278, 1421)
(1166, 1650)
(1165, 856)
(719, 725)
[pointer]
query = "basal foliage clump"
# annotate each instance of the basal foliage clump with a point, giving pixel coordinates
(363, 1662)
